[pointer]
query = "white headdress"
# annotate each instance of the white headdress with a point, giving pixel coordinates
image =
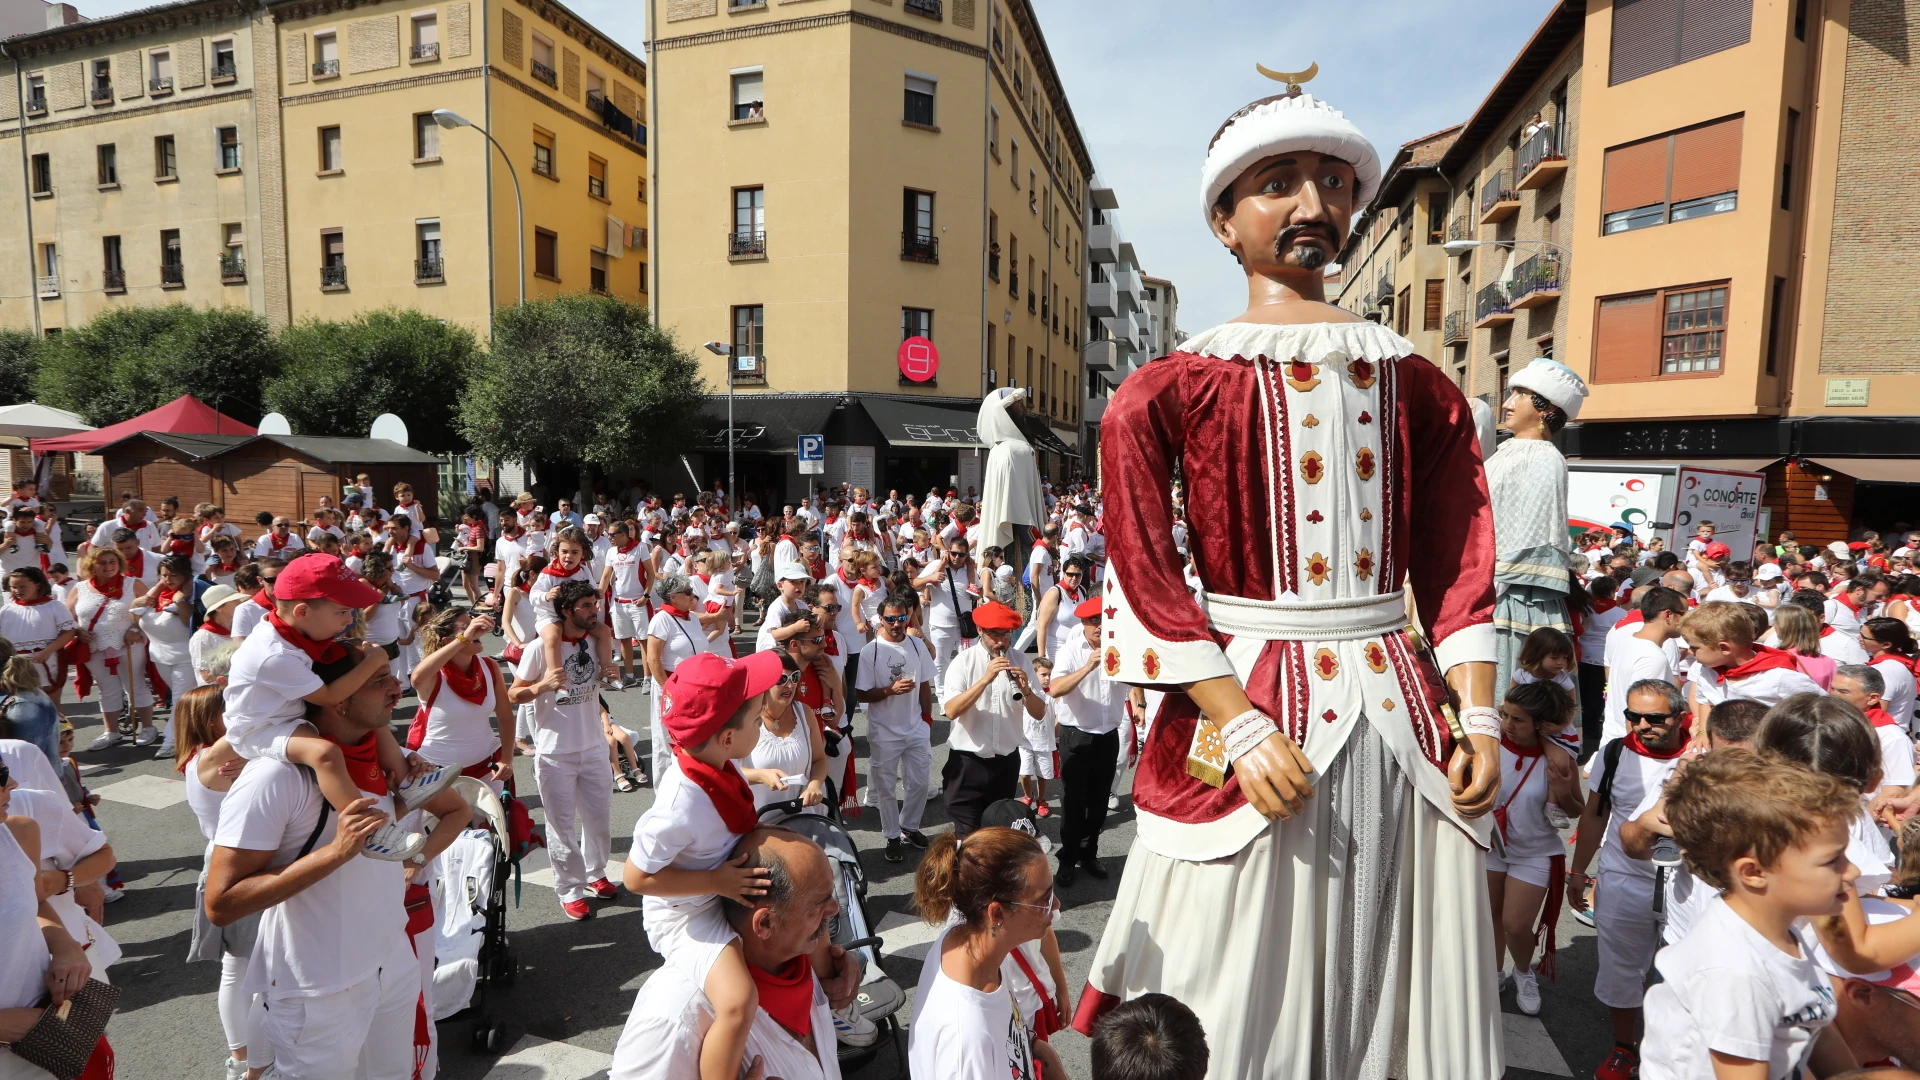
(1554, 381)
(1275, 125)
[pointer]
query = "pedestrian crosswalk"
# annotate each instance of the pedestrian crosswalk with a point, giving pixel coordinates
(151, 792)
(535, 1058)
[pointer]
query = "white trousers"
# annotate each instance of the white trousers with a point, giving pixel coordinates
(179, 679)
(364, 1032)
(112, 685)
(892, 759)
(577, 796)
(947, 643)
(662, 749)
(423, 956)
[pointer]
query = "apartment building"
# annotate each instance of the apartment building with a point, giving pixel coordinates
(1130, 316)
(1394, 268)
(877, 216)
(284, 157)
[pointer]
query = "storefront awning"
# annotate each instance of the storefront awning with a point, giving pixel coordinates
(906, 423)
(763, 423)
(1730, 464)
(1043, 437)
(1875, 470)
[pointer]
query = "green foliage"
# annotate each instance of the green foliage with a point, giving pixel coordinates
(582, 378)
(19, 363)
(343, 374)
(131, 360)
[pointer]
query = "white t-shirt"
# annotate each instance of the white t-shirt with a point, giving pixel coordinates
(1728, 989)
(683, 636)
(1098, 704)
(1896, 756)
(266, 689)
(1633, 659)
(246, 615)
(575, 726)
(263, 547)
(940, 610)
(1842, 645)
(1639, 782)
(777, 610)
(32, 627)
(508, 553)
(144, 533)
(959, 1033)
(681, 829)
(1593, 634)
(669, 1023)
(993, 726)
(1898, 698)
(1040, 568)
(629, 571)
(1524, 793)
(336, 931)
(881, 662)
(1844, 619)
(1769, 687)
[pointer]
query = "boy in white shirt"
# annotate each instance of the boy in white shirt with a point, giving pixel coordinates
(1728, 664)
(1741, 996)
(1038, 741)
(272, 682)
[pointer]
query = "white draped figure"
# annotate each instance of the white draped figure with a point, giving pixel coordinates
(1010, 490)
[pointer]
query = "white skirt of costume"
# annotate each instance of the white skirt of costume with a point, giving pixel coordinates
(1349, 943)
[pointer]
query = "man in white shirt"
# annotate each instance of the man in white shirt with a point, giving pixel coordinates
(332, 954)
(671, 1015)
(626, 574)
(1863, 687)
(1642, 654)
(570, 752)
(1091, 708)
(1855, 602)
(985, 692)
(952, 588)
(279, 541)
(1889, 647)
(894, 679)
(131, 516)
(598, 545)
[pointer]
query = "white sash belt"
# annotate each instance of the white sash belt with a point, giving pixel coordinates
(1304, 620)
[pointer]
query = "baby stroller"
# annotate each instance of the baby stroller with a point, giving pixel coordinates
(880, 997)
(473, 954)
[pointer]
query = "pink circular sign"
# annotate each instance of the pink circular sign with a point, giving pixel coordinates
(919, 359)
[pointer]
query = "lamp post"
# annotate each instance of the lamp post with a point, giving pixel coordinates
(449, 119)
(721, 348)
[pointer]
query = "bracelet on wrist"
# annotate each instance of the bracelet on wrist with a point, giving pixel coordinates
(1480, 720)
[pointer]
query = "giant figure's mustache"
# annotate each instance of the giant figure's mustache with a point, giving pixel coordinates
(1309, 258)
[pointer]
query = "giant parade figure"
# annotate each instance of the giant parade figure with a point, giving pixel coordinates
(1308, 871)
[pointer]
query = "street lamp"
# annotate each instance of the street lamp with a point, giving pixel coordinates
(1461, 247)
(721, 348)
(449, 119)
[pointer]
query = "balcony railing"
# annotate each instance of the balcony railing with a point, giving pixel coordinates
(37, 105)
(103, 93)
(1536, 281)
(428, 51)
(324, 68)
(916, 246)
(745, 370)
(1491, 306)
(223, 71)
(1032, 302)
(160, 85)
(1498, 199)
(612, 116)
(1383, 290)
(334, 276)
(1454, 328)
(173, 274)
(998, 48)
(113, 280)
(49, 285)
(929, 8)
(233, 268)
(746, 242)
(1459, 229)
(1542, 157)
(433, 269)
(1013, 283)
(543, 73)
(993, 265)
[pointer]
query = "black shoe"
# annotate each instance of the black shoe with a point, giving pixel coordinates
(1093, 868)
(895, 850)
(915, 837)
(1064, 877)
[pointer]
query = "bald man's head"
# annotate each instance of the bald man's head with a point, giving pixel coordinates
(1678, 580)
(798, 908)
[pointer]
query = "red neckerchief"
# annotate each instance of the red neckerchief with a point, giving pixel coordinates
(1634, 744)
(1600, 606)
(162, 597)
(1881, 717)
(279, 542)
(125, 524)
(261, 598)
(833, 643)
(552, 569)
(212, 627)
(817, 569)
(787, 994)
(114, 589)
(1765, 658)
(32, 603)
(320, 652)
(471, 685)
(725, 786)
(1536, 750)
(1895, 658)
(363, 757)
(224, 568)
(137, 566)
(629, 547)
(1826, 630)
(30, 530)
(1841, 596)
(1071, 594)
(1631, 618)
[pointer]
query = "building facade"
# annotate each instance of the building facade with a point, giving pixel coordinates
(284, 158)
(1394, 268)
(847, 176)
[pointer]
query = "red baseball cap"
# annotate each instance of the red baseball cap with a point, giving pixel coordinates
(706, 690)
(314, 576)
(1717, 550)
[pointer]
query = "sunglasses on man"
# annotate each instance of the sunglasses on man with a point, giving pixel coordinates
(1648, 717)
(896, 620)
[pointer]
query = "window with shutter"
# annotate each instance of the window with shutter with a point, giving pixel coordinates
(1436, 303)
(1674, 177)
(1402, 313)
(1626, 338)
(1706, 160)
(1711, 26)
(1645, 38)
(1635, 175)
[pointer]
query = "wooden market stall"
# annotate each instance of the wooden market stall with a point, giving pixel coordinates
(247, 474)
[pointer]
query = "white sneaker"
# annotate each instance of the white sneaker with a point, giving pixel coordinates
(109, 894)
(1499, 979)
(416, 790)
(147, 737)
(1526, 991)
(236, 1070)
(391, 843)
(107, 738)
(1113, 802)
(852, 1027)
(164, 750)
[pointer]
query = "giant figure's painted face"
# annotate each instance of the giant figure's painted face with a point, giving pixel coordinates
(1287, 213)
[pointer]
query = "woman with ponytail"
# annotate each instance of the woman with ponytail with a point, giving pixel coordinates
(1891, 650)
(995, 890)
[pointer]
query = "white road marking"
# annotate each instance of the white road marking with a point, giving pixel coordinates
(544, 876)
(538, 1059)
(1530, 1047)
(152, 792)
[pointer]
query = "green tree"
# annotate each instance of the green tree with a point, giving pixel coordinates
(392, 361)
(130, 360)
(19, 362)
(582, 377)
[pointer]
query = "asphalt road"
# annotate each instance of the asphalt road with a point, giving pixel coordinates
(577, 981)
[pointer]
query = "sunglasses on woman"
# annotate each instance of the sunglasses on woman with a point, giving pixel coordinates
(788, 678)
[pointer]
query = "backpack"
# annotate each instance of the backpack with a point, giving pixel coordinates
(1610, 754)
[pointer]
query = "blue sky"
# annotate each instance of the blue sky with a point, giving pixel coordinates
(1151, 80)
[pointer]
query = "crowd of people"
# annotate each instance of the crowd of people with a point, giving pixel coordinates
(1713, 764)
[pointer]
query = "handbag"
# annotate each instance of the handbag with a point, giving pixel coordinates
(968, 631)
(66, 1036)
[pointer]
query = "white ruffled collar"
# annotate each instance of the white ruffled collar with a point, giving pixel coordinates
(1304, 341)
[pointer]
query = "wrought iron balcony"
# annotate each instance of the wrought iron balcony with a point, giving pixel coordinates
(1498, 199)
(543, 73)
(1032, 302)
(746, 242)
(324, 68)
(427, 51)
(929, 8)
(1459, 229)
(1491, 307)
(1013, 283)
(745, 370)
(916, 246)
(160, 85)
(233, 268)
(612, 116)
(103, 93)
(993, 265)
(1453, 329)
(333, 276)
(37, 106)
(1542, 158)
(1536, 281)
(172, 274)
(49, 285)
(223, 71)
(113, 280)
(433, 269)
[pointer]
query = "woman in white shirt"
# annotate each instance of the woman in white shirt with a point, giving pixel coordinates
(42, 960)
(466, 721)
(790, 746)
(165, 612)
(967, 1024)
(675, 634)
(102, 606)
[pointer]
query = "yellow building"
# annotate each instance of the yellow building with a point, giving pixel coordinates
(844, 175)
(285, 159)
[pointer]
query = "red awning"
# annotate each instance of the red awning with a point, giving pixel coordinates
(186, 415)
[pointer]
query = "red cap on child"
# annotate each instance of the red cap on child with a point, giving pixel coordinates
(706, 690)
(1717, 550)
(314, 576)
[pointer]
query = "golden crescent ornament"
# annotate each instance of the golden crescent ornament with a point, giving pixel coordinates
(1293, 79)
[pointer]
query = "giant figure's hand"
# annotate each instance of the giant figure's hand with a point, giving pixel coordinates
(1474, 773)
(1273, 777)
